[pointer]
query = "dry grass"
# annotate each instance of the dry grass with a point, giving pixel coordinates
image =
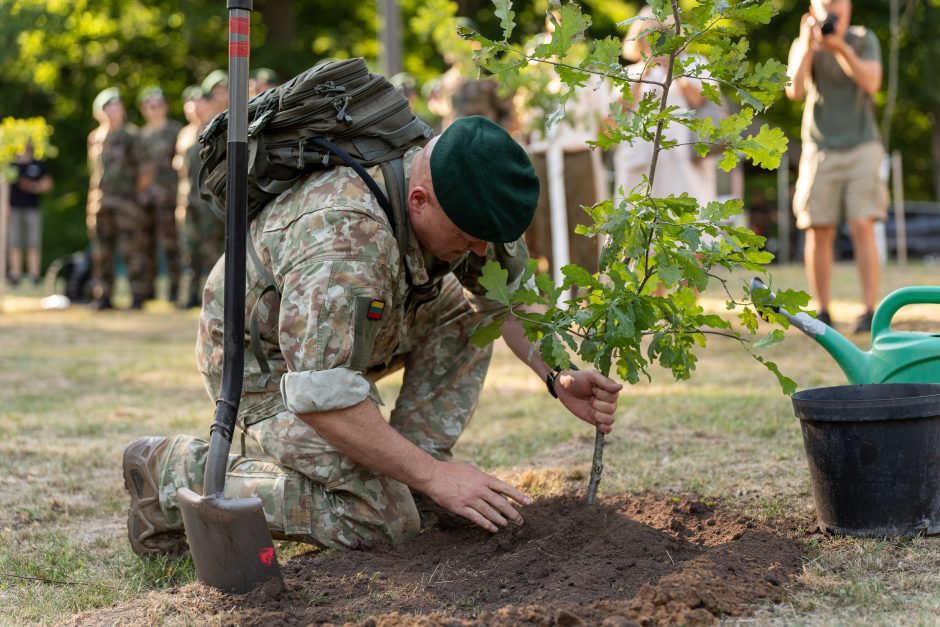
(75, 387)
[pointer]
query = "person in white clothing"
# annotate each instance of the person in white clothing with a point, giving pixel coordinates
(678, 170)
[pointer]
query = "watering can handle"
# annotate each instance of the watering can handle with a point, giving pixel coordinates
(915, 295)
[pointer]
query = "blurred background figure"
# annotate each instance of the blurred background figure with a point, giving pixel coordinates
(678, 169)
(202, 233)
(215, 90)
(119, 167)
(159, 200)
(408, 86)
(25, 235)
(261, 79)
(837, 69)
(458, 94)
(570, 172)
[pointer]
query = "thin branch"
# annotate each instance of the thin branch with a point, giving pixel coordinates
(618, 76)
(696, 332)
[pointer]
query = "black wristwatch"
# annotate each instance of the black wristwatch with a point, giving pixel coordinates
(552, 375)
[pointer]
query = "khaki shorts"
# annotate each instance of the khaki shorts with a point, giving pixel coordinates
(832, 179)
(25, 228)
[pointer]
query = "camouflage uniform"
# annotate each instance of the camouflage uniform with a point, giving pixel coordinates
(349, 313)
(114, 217)
(159, 200)
(203, 233)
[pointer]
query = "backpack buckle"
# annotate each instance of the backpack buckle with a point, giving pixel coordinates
(300, 153)
(260, 122)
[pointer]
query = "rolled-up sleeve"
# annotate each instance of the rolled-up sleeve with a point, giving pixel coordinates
(339, 268)
(323, 390)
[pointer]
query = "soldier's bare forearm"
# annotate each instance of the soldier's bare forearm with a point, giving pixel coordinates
(514, 336)
(361, 433)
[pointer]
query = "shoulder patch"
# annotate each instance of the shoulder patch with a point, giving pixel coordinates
(511, 248)
(376, 309)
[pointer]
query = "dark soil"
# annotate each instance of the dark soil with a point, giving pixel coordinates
(648, 560)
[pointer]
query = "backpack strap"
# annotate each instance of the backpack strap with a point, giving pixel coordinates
(361, 171)
(270, 286)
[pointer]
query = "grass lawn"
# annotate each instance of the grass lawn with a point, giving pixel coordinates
(76, 387)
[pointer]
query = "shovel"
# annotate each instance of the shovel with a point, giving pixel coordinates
(229, 539)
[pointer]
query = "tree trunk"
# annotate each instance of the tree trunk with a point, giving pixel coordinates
(280, 20)
(936, 153)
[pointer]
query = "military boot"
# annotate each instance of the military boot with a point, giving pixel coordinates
(147, 527)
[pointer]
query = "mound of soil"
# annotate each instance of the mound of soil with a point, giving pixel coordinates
(646, 559)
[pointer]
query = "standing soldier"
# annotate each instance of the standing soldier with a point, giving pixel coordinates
(117, 160)
(203, 234)
(262, 79)
(215, 90)
(159, 200)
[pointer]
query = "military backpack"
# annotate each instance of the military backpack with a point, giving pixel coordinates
(335, 113)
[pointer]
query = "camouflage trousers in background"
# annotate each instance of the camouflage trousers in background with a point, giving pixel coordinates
(113, 226)
(161, 227)
(202, 243)
(313, 493)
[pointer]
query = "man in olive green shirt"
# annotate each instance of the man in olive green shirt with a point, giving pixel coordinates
(837, 69)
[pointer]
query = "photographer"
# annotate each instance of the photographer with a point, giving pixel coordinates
(837, 68)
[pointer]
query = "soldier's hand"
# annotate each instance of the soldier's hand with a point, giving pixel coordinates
(480, 498)
(590, 396)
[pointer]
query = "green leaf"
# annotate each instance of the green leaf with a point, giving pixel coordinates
(506, 17)
(495, 279)
(488, 333)
(772, 339)
(568, 30)
(787, 385)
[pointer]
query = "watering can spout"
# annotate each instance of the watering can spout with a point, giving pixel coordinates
(855, 363)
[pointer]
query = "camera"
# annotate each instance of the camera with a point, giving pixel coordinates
(829, 25)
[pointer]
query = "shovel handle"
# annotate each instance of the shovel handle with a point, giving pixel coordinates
(914, 295)
(236, 229)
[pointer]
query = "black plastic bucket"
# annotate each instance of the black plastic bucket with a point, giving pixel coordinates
(874, 457)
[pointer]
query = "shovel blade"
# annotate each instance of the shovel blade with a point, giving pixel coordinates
(230, 543)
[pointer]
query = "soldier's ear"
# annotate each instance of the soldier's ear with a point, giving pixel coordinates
(419, 199)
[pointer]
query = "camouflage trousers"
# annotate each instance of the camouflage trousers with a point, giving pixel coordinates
(313, 493)
(161, 227)
(119, 226)
(202, 243)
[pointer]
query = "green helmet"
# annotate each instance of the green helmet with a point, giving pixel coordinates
(107, 95)
(148, 92)
(215, 77)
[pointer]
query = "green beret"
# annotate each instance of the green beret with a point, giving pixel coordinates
(193, 92)
(103, 98)
(216, 77)
(265, 75)
(484, 180)
(148, 92)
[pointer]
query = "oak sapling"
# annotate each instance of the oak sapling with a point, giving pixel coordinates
(658, 253)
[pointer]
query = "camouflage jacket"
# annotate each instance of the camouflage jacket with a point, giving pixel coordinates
(115, 160)
(161, 149)
(346, 299)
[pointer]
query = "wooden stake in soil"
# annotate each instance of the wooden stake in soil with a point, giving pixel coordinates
(596, 468)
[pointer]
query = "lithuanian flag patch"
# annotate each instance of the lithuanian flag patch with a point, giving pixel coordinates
(376, 308)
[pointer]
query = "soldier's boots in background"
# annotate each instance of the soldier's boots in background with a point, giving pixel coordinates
(101, 303)
(147, 527)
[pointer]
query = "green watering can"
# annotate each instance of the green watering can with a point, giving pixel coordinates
(895, 356)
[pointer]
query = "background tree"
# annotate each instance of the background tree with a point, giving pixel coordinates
(55, 55)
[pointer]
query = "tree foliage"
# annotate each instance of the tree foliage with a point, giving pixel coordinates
(641, 307)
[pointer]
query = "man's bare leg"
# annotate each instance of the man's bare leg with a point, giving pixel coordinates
(817, 255)
(862, 231)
